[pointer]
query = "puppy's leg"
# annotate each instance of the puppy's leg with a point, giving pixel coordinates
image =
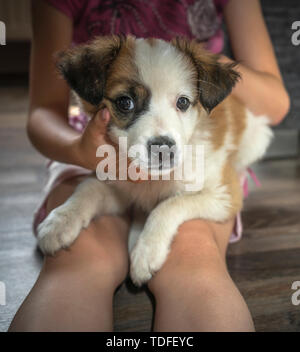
(154, 242)
(136, 227)
(62, 226)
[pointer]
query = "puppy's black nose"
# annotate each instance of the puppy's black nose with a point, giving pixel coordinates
(161, 141)
(161, 151)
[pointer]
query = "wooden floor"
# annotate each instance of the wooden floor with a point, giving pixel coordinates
(264, 264)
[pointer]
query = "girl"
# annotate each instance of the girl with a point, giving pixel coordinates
(75, 288)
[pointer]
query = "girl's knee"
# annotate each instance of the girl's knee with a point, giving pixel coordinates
(102, 246)
(194, 248)
(100, 251)
(194, 238)
(194, 257)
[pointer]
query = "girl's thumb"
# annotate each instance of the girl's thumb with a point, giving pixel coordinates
(101, 120)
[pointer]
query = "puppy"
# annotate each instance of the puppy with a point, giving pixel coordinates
(166, 94)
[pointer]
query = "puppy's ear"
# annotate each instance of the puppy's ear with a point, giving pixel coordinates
(85, 67)
(215, 80)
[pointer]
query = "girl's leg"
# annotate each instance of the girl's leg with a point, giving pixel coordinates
(193, 290)
(74, 291)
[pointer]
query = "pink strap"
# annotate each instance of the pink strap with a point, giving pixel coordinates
(254, 177)
(255, 180)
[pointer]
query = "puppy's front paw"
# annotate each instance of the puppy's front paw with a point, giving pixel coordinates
(145, 260)
(59, 230)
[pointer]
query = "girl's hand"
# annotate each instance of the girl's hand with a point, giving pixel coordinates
(94, 135)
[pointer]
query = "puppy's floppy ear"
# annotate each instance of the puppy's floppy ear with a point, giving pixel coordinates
(85, 67)
(215, 80)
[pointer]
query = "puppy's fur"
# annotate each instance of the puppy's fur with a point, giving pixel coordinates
(154, 74)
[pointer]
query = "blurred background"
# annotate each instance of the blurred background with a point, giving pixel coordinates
(264, 264)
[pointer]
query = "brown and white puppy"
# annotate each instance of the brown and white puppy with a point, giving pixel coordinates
(167, 94)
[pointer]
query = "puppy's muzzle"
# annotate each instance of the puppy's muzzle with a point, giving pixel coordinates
(161, 152)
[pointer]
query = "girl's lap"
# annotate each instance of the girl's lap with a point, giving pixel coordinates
(103, 244)
(104, 241)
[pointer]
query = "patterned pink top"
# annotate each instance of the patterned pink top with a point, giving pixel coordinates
(200, 19)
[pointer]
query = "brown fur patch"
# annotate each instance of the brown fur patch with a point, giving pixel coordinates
(151, 41)
(228, 117)
(123, 67)
(123, 79)
(122, 74)
(219, 125)
(238, 118)
(230, 178)
(89, 108)
(215, 79)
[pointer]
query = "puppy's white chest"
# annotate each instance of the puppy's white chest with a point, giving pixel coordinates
(147, 194)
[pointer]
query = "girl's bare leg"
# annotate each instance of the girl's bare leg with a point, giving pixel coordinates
(193, 290)
(74, 291)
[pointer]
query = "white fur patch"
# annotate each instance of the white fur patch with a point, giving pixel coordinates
(255, 140)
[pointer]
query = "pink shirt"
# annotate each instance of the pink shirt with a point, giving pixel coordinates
(200, 19)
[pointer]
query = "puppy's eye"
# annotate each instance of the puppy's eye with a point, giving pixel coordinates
(183, 103)
(125, 104)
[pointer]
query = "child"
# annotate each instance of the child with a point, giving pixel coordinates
(75, 288)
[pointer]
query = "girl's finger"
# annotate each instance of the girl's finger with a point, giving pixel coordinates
(102, 117)
(99, 122)
(105, 115)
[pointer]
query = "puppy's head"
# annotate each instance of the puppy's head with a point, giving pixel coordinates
(156, 91)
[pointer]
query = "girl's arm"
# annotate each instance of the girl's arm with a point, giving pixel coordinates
(47, 126)
(261, 87)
